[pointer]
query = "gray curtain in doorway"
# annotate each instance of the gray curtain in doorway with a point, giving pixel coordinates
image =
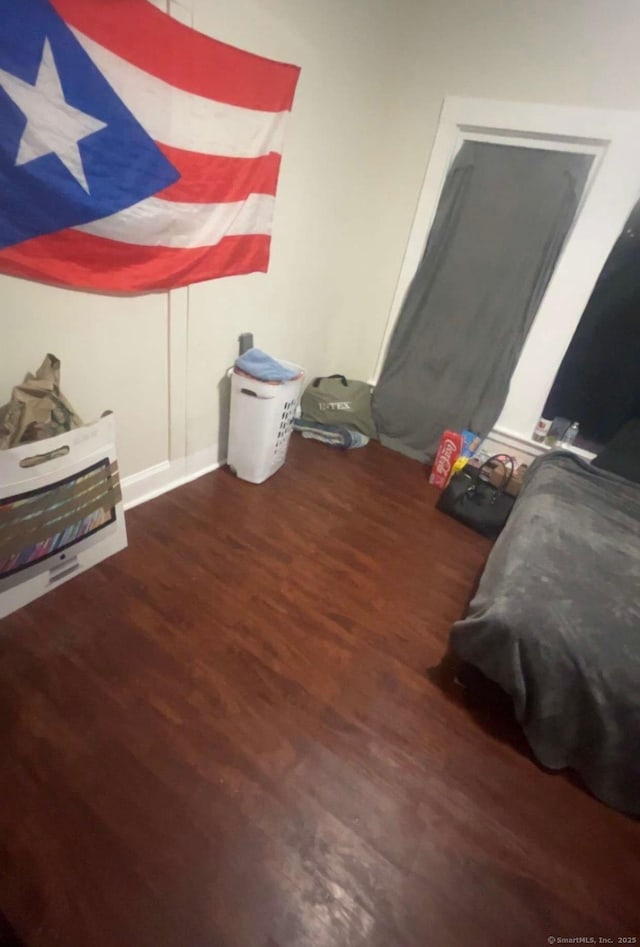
(499, 228)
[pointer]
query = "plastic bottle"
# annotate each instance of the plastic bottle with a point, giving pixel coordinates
(541, 430)
(570, 437)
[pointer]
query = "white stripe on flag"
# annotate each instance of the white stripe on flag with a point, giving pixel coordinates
(157, 223)
(183, 119)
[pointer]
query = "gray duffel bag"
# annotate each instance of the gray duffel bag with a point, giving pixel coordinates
(339, 400)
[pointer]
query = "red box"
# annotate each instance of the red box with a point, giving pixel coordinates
(449, 449)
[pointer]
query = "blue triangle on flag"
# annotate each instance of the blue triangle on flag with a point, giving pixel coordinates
(43, 191)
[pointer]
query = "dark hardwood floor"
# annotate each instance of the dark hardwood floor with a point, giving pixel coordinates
(230, 736)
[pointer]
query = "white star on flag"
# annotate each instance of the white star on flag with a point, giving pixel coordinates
(53, 126)
(134, 160)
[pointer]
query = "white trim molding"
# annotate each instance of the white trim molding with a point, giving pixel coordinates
(524, 449)
(610, 195)
(179, 467)
(178, 360)
(154, 481)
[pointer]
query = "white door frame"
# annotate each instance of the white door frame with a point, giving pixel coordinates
(612, 190)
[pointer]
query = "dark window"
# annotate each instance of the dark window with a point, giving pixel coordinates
(598, 382)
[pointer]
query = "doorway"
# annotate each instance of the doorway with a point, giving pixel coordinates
(613, 138)
(501, 222)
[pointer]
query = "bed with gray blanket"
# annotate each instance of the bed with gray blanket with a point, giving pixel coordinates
(556, 623)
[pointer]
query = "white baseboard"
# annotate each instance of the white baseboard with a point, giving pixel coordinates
(159, 479)
(146, 484)
(202, 462)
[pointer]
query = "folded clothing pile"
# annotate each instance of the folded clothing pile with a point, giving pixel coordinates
(254, 363)
(336, 435)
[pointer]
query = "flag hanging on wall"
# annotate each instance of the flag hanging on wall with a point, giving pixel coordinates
(136, 154)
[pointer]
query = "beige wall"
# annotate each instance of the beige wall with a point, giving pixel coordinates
(373, 81)
(113, 352)
(374, 73)
(330, 240)
(327, 235)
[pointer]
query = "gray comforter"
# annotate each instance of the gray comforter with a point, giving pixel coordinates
(556, 622)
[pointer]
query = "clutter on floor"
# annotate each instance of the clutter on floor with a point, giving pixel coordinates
(475, 499)
(453, 448)
(265, 392)
(339, 400)
(336, 410)
(478, 488)
(60, 500)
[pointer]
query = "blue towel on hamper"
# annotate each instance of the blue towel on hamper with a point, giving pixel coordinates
(259, 365)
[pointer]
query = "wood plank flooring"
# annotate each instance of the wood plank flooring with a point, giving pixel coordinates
(231, 735)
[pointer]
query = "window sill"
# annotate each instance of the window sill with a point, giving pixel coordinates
(533, 447)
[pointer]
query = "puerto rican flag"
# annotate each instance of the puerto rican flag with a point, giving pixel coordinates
(136, 154)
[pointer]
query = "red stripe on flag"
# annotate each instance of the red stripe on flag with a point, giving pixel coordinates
(151, 40)
(209, 179)
(71, 258)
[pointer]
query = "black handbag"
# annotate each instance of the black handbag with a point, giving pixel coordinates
(472, 499)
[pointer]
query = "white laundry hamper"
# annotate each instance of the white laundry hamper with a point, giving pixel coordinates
(260, 424)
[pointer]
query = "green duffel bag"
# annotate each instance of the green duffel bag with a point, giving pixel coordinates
(339, 400)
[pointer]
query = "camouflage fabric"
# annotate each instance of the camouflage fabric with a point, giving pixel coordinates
(37, 409)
